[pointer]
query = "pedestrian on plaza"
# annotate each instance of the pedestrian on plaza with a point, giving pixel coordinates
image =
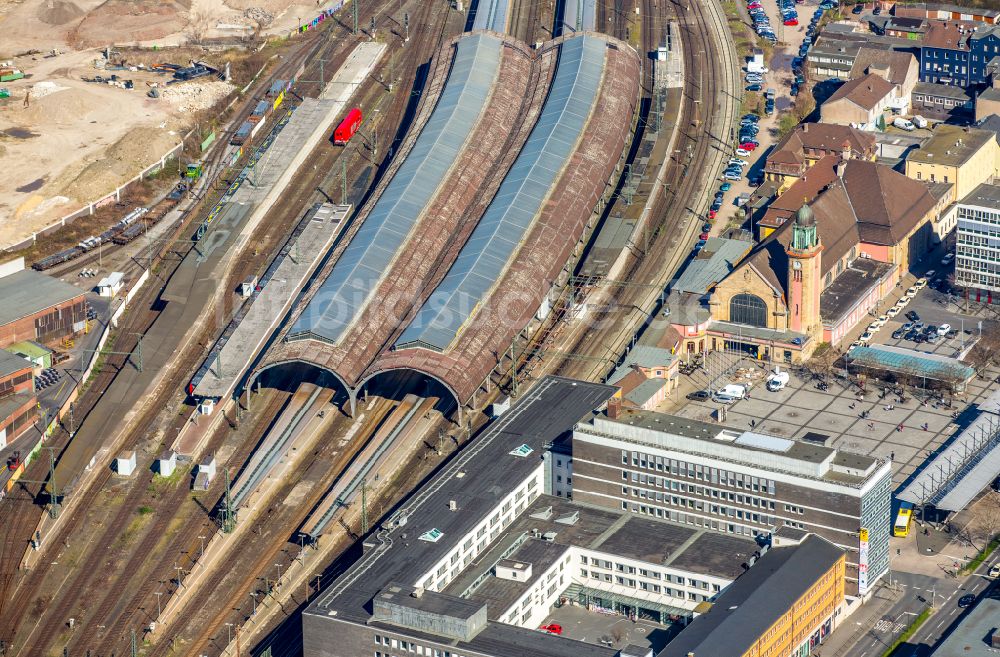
(899, 429)
(852, 406)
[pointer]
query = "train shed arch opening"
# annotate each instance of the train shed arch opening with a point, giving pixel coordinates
(397, 383)
(289, 375)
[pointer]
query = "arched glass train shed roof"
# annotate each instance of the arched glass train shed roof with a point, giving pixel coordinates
(359, 269)
(491, 15)
(482, 260)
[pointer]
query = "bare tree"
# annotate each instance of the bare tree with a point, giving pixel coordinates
(984, 523)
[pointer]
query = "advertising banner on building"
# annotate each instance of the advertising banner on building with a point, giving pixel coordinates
(863, 562)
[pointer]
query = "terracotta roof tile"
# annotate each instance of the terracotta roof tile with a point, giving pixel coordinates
(866, 92)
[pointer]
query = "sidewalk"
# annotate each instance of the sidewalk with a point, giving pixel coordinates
(860, 620)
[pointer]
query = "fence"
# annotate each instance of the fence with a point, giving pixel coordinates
(104, 200)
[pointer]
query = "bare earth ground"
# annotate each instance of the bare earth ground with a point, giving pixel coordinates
(77, 141)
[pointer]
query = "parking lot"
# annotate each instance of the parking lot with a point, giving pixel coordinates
(779, 77)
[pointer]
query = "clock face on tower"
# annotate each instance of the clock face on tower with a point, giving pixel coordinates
(796, 264)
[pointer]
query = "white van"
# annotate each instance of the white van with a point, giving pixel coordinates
(730, 393)
(777, 380)
(903, 124)
(919, 121)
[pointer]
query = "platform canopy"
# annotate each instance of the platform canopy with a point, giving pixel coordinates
(969, 463)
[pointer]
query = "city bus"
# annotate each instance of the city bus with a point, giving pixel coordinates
(903, 520)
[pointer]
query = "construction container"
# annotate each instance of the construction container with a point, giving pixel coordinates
(166, 463)
(343, 133)
(111, 284)
(10, 74)
(125, 464)
(248, 286)
(242, 134)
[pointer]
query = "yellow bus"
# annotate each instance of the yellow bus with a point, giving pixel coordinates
(903, 519)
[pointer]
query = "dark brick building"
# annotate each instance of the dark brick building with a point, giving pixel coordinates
(37, 307)
(737, 482)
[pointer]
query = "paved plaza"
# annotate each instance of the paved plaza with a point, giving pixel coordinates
(842, 416)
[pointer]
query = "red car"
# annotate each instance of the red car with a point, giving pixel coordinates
(552, 628)
(703, 236)
(791, 22)
(748, 146)
(711, 214)
(754, 5)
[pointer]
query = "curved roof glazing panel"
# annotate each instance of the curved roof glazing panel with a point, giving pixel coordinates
(491, 15)
(357, 273)
(482, 260)
(578, 16)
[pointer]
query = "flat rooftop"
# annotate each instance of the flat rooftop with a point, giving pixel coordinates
(802, 458)
(757, 600)
(617, 533)
(480, 476)
(850, 286)
(27, 292)
(985, 195)
(951, 145)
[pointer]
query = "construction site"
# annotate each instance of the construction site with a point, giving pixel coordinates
(328, 320)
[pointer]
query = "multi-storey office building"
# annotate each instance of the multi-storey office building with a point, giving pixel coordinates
(977, 250)
(476, 558)
(737, 482)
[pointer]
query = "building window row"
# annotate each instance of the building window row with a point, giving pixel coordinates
(409, 647)
(698, 472)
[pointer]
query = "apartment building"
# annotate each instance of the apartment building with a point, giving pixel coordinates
(737, 482)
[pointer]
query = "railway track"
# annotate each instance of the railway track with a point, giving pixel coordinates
(605, 333)
(140, 320)
(130, 592)
(304, 188)
(326, 465)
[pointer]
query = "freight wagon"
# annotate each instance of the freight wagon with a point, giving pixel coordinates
(343, 133)
(242, 134)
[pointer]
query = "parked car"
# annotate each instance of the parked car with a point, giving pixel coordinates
(892, 312)
(753, 87)
(742, 151)
(966, 600)
(930, 274)
(877, 10)
(703, 236)
(706, 226)
(791, 22)
(725, 187)
(946, 260)
(857, 9)
(699, 395)
(944, 330)
(866, 337)
(913, 316)
(552, 628)
(911, 291)
(994, 572)
(898, 334)
(748, 146)
(920, 283)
